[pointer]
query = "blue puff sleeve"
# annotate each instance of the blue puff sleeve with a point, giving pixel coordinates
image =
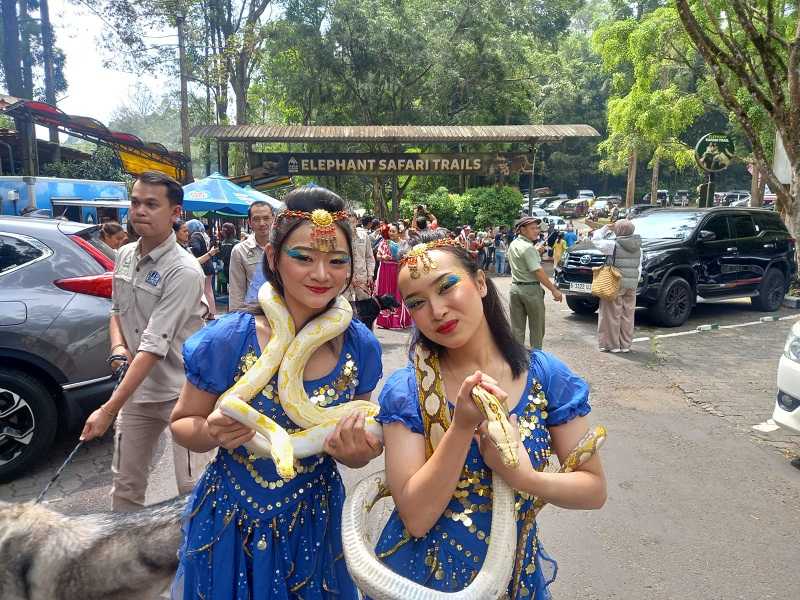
(398, 400)
(567, 394)
(211, 356)
(368, 352)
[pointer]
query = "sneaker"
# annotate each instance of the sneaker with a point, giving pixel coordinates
(617, 350)
(603, 349)
(625, 350)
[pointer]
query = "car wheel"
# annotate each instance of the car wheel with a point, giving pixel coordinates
(674, 304)
(770, 292)
(583, 306)
(28, 420)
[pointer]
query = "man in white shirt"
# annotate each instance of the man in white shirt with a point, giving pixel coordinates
(247, 256)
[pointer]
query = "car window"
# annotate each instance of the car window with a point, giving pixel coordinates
(15, 253)
(666, 225)
(743, 226)
(719, 226)
(768, 222)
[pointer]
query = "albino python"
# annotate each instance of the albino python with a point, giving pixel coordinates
(287, 354)
(379, 582)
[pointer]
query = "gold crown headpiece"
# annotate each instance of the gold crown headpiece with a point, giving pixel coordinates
(323, 226)
(418, 258)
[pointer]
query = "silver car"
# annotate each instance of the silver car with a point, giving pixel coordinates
(55, 296)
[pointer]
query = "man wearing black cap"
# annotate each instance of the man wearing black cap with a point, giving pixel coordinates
(527, 278)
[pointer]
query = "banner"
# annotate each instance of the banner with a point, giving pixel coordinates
(334, 163)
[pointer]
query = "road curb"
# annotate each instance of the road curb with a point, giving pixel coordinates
(791, 301)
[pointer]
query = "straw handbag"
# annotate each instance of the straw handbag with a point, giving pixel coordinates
(606, 280)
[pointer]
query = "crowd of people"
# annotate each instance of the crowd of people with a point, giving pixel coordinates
(249, 532)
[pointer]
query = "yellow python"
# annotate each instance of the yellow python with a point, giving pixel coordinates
(287, 354)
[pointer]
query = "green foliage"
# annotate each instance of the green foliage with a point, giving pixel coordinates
(480, 207)
(104, 166)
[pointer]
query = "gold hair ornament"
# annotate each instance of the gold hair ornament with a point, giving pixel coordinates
(323, 226)
(418, 258)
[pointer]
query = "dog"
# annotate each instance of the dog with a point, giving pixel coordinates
(368, 310)
(45, 555)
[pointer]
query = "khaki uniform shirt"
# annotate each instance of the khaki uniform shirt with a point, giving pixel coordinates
(363, 265)
(159, 301)
(524, 259)
(246, 257)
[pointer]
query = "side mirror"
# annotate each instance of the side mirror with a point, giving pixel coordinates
(706, 236)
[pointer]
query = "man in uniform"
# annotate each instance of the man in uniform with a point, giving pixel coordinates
(247, 256)
(156, 304)
(527, 278)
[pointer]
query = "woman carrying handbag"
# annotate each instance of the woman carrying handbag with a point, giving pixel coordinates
(615, 319)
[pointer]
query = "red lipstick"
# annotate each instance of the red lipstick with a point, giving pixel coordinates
(447, 327)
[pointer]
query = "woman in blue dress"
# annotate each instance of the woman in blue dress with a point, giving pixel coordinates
(439, 460)
(249, 533)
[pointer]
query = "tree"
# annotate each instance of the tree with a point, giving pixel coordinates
(659, 92)
(752, 50)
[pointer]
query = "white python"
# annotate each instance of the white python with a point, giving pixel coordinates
(379, 582)
(287, 354)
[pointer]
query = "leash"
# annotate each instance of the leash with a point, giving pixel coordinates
(119, 373)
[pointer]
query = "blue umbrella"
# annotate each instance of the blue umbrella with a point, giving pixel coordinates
(256, 195)
(216, 193)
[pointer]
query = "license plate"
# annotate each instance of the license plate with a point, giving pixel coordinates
(586, 288)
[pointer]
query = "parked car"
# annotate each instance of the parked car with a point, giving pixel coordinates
(586, 194)
(574, 209)
(600, 208)
(55, 291)
(555, 222)
(534, 212)
(662, 198)
(729, 198)
(553, 207)
(681, 198)
(787, 405)
(689, 254)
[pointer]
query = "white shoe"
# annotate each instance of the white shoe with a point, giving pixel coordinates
(625, 350)
(617, 350)
(602, 349)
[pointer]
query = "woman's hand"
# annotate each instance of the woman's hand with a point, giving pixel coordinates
(492, 457)
(467, 416)
(351, 444)
(228, 433)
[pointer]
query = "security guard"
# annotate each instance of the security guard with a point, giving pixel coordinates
(526, 300)
(248, 255)
(156, 304)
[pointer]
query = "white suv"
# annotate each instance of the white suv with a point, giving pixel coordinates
(787, 405)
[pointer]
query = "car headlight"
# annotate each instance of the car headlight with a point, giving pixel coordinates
(648, 256)
(792, 348)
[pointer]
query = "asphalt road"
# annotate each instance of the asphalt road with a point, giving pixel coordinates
(700, 504)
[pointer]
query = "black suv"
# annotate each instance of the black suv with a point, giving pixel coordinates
(695, 254)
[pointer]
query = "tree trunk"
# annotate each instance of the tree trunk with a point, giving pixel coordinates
(25, 50)
(185, 142)
(631, 189)
(756, 186)
(654, 180)
(12, 68)
(49, 74)
(791, 215)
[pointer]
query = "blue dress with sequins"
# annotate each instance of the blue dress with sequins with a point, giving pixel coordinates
(449, 556)
(248, 533)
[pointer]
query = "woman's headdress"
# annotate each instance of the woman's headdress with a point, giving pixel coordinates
(418, 258)
(323, 226)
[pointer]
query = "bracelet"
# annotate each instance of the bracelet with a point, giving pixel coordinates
(107, 411)
(115, 346)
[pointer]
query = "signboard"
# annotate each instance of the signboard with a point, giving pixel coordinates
(305, 163)
(714, 152)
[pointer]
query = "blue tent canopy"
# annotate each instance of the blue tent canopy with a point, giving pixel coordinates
(256, 195)
(216, 193)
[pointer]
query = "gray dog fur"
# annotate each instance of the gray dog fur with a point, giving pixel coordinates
(45, 555)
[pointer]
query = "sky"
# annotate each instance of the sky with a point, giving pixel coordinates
(93, 90)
